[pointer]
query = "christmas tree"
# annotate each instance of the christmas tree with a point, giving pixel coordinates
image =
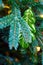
(21, 32)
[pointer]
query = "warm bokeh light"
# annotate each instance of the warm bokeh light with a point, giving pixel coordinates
(41, 15)
(9, 11)
(38, 48)
(7, 7)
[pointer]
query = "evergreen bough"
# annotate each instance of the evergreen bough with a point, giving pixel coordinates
(21, 32)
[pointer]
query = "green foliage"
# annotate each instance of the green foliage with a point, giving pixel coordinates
(14, 20)
(23, 44)
(23, 31)
(8, 60)
(29, 18)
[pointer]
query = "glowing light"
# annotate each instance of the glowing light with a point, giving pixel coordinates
(7, 7)
(9, 11)
(38, 48)
(41, 15)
